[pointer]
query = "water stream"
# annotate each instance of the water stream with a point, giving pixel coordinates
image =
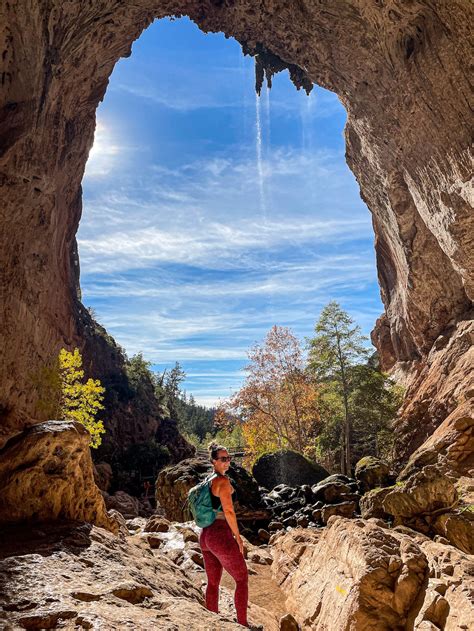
(260, 173)
(307, 138)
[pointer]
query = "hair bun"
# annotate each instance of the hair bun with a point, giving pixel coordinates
(212, 446)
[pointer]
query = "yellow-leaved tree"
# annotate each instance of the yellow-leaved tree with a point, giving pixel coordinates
(80, 400)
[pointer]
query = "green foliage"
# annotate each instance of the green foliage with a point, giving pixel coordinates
(191, 418)
(358, 402)
(79, 400)
(373, 402)
(232, 439)
(338, 344)
(336, 347)
(141, 383)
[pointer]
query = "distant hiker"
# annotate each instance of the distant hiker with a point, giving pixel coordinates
(146, 486)
(221, 544)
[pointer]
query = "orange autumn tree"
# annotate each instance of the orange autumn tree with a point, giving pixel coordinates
(278, 403)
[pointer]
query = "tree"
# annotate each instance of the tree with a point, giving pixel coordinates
(374, 402)
(336, 347)
(172, 381)
(80, 400)
(278, 403)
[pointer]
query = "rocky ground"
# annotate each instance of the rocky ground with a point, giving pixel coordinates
(351, 574)
(373, 552)
(77, 576)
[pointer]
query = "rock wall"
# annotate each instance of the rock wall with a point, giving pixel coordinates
(399, 69)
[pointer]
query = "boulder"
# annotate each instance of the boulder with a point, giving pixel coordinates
(137, 523)
(287, 467)
(355, 575)
(46, 473)
(457, 528)
(371, 504)
(424, 494)
(288, 623)
(154, 541)
(344, 509)
(330, 492)
(126, 504)
(103, 475)
(371, 472)
(174, 482)
(157, 524)
(263, 535)
(189, 535)
(120, 520)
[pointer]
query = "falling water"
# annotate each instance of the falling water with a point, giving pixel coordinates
(267, 116)
(306, 127)
(258, 143)
(308, 139)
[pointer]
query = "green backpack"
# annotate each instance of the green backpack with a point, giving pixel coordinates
(200, 503)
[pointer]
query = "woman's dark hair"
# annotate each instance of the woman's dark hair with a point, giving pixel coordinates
(214, 448)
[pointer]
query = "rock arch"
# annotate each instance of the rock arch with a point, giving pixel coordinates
(398, 68)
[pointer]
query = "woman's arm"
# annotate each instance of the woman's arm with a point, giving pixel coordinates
(225, 494)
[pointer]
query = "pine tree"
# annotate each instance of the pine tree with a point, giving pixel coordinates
(337, 345)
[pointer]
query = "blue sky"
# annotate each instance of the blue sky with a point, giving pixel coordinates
(190, 248)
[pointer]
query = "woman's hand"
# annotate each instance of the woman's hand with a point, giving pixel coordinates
(240, 543)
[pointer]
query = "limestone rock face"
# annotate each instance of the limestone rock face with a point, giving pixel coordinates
(458, 529)
(451, 582)
(46, 473)
(408, 143)
(358, 575)
(439, 387)
(287, 467)
(451, 446)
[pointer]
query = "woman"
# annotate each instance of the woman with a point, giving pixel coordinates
(221, 544)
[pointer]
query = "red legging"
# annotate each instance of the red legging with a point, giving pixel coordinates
(220, 551)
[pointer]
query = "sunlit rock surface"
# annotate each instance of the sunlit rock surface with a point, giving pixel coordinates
(74, 576)
(357, 575)
(450, 447)
(46, 474)
(83, 577)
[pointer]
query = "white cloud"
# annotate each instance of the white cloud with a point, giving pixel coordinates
(212, 217)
